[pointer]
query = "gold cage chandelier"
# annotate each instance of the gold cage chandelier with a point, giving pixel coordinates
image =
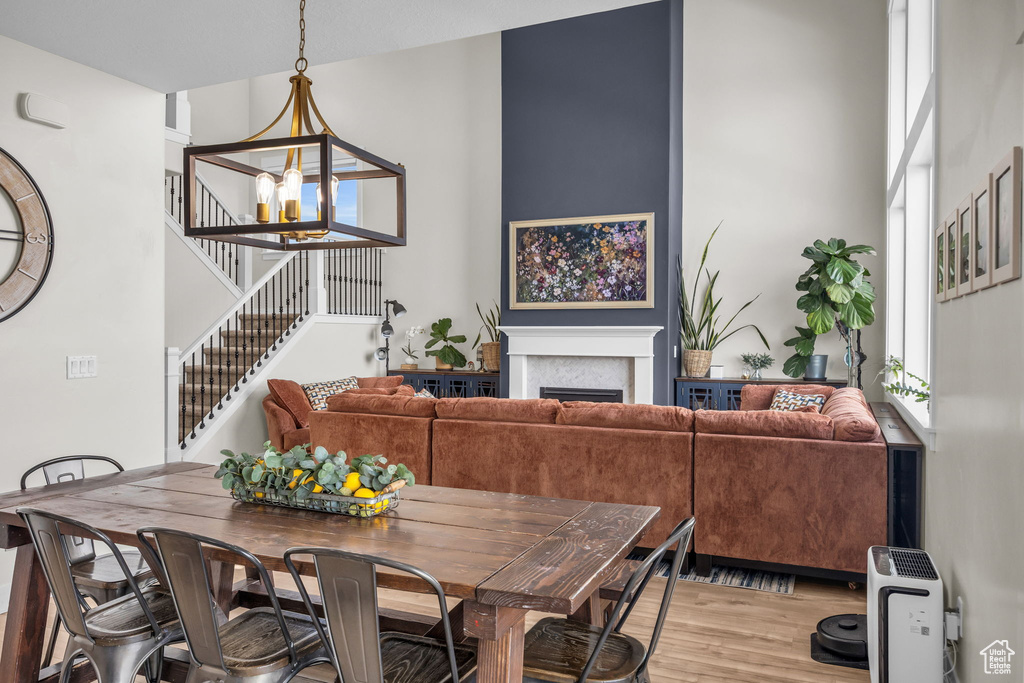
(329, 161)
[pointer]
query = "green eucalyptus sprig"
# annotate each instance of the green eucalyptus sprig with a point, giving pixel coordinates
(298, 473)
(757, 361)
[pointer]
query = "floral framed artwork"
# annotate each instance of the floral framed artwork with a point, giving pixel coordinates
(952, 237)
(594, 262)
(939, 285)
(982, 257)
(1006, 218)
(965, 250)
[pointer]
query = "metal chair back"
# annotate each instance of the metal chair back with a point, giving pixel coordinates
(184, 563)
(70, 468)
(680, 537)
(348, 588)
(52, 545)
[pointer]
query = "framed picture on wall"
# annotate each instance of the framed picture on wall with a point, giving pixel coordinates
(952, 237)
(594, 262)
(1006, 218)
(964, 249)
(939, 244)
(981, 258)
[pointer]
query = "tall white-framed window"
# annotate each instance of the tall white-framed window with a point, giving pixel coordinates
(910, 179)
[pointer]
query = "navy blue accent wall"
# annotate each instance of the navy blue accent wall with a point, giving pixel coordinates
(592, 125)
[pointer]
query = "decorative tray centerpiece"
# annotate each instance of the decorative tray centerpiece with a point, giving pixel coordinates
(365, 487)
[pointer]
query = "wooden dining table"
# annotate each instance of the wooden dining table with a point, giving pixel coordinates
(502, 555)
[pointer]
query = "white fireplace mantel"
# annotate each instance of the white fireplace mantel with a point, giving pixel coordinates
(624, 341)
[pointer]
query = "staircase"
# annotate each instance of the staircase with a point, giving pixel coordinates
(207, 380)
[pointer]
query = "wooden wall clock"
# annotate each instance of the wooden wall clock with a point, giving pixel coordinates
(26, 237)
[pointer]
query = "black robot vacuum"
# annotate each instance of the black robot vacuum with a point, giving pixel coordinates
(841, 640)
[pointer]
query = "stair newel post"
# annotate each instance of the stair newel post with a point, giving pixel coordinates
(316, 281)
(174, 404)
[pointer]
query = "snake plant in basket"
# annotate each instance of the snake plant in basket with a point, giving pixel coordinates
(364, 487)
(699, 327)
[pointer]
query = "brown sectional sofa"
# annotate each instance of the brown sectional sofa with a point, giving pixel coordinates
(801, 489)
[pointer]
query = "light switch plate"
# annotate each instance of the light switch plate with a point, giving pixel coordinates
(80, 367)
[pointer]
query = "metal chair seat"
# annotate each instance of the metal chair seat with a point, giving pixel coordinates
(123, 621)
(557, 650)
(102, 575)
(252, 642)
(417, 659)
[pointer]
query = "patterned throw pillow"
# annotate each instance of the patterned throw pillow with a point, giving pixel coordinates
(318, 392)
(423, 393)
(787, 400)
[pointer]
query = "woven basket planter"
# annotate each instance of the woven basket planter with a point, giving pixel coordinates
(492, 356)
(696, 363)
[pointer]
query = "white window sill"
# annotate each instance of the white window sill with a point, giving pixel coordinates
(917, 417)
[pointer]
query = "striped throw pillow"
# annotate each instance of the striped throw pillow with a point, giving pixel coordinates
(319, 392)
(789, 401)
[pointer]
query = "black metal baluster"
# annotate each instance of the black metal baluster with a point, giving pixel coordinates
(202, 387)
(258, 328)
(220, 378)
(192, 381)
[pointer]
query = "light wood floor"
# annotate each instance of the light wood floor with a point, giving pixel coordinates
(713, 634)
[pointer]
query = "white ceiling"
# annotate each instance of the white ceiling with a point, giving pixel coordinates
(172, 45)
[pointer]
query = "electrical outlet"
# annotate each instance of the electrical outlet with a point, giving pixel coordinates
(954, 621)
(80, 367)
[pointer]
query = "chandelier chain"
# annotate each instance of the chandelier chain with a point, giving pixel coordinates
(302, 38)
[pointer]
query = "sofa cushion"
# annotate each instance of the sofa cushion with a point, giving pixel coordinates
(530, 410)
(402, 390)
(791, 425)
(791, 401)
(381, 382)
(852, 416)
(759, 396)
(396, 404)
(290, 396)
(625, 416)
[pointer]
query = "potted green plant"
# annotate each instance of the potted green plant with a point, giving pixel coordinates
(835, 294)
(754, 363)
(447, 356)
(700, 332)
(491, 349)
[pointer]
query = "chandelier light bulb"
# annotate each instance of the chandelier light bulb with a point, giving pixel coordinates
(292, 193)
(264, 191)
(282, 195)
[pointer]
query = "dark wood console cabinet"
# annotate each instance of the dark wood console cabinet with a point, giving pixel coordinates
(452, 383)
(703, 393)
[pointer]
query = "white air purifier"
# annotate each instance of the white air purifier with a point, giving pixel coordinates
(905, 617)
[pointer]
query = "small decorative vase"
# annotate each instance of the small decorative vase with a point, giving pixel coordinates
(696, 363)
(746, 372)
(492, 356)
(817, 365)
(441, 366)
(755, 374)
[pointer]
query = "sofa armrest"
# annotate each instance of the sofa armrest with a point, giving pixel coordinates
(279, 422)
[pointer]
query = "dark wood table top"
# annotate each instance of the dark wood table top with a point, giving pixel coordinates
(509, 550)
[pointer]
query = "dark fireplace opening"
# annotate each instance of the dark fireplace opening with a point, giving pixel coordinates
(575, 394)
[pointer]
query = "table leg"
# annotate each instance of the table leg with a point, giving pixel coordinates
(591, 612)
(25, 630)
(222, 576)
(499, 632)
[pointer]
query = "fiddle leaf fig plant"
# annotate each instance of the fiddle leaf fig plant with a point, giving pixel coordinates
(440, 333)
(834, 293)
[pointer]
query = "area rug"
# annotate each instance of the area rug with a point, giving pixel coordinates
(768, 582)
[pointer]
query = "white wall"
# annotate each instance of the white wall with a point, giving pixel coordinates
(102, 178)
(193, 296)
(974, 514)
(783, 142)
(325, 351)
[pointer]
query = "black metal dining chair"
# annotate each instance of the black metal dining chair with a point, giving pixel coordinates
(117, 637)
(97, 577)
(261, 645)
(358, 650)
(559, 650)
